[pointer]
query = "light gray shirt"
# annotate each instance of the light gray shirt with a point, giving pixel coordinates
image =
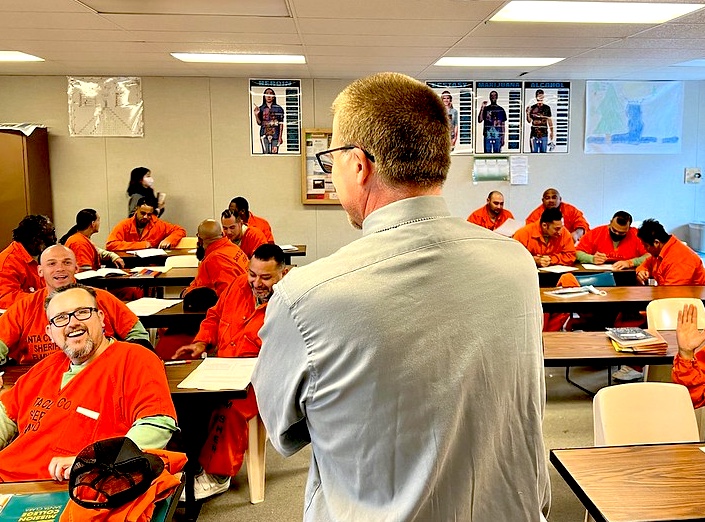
(411, 361)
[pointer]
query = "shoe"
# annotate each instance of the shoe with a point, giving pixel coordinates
(627, 373)
(206, 485)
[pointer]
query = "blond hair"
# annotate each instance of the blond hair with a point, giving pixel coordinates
(401, 122)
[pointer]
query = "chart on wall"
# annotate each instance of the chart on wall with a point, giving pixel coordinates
(457, 98)
(498, 124)
(275, 117)
(102, 107)
(642, 117)
(546, 117)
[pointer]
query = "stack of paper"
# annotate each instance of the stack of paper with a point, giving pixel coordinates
(637, 340)
(101, 272)
(148, 252)
(221, 373)
(150, 305)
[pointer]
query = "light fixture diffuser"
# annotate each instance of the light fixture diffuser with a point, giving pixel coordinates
(494, 61)
(17, 56)
(592, 12)
(691, 63)
(239, 58)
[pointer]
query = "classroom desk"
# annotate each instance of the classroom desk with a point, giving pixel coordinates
(621, 277)
(300, 251)
(618, 298)
(626, 483)
(177, 276)
(173, 316)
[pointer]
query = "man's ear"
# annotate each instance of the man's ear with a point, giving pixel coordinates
(47, 329)
(365, 167)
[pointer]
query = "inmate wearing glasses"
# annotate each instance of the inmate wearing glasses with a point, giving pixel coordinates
(116, 389)
(81, 314)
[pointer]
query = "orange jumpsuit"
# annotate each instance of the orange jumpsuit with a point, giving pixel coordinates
(23, 326)
(251, 239)
(675, 265)
(85, 251)
(223, 262)
(691, 374)
(18, 274)
(126, 237)
(233, 326)
(599, 240)
(561, 249)
(122, 385)
(263, 226)
(572, 217)
(482, 217)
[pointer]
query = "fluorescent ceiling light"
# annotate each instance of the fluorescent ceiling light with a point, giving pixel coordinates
(691, 63)
(238, 58)
(592, 12)
(17, 56)
(465, 61)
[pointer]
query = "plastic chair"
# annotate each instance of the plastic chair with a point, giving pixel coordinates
(185, 261)
(188, 242)
(662, 314)
(644, 413)
(255, 458)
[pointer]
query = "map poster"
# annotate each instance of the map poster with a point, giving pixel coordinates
(644, 117)
(105, 107)
(498, 117)
(457, 98)
(546, 117)
(275, 117)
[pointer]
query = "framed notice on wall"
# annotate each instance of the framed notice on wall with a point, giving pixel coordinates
(316, 186)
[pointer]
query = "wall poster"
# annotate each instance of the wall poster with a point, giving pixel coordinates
(105, 106)
(547, 117)
(457, 97)
(275, 117)
(499, 115)
(641, 117)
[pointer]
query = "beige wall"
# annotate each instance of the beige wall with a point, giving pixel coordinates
(197, 145)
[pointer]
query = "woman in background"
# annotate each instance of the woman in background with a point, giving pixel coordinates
(78, 239)
(141, 183)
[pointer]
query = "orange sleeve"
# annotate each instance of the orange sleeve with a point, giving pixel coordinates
(251, 240)
(11, 324)
(578, 219)
(475, 218)
(146, 392)
(587, 243)
(647, 265)
(86, 254)
(173, 233)
(523, 236)
(118, 317)
(690, 374)
(118, 238)
(535, 214)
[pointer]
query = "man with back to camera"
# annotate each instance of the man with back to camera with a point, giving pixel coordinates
(247, 238)
(615, 243)
(548, 241)
(232, 328)
(23, 335)
(18, 262)
(240, 207)
(93, 389)
(221, 261)
(573, 218)
(144, 230)
(492, 215)
(417, 385)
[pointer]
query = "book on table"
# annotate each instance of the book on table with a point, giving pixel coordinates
(637, 340)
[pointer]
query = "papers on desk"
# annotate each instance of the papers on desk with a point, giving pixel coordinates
(148, 252)
(288, 248)
(575, 291)
(558, 269)
(150, 305)
(221, 373)
(509, 227)
(101, 272)
(605, 267)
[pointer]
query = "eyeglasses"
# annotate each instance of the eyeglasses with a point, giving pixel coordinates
(82, 314)
(325, 158)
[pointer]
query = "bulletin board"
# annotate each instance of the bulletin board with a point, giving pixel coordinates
(316, 186)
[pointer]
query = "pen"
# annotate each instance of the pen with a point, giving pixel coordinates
(174, 363)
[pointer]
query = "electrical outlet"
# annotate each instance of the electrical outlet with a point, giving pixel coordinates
(692, 174)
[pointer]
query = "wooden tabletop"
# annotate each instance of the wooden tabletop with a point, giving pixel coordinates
(595, 349)
(178, 276)
(618, 297)
(173, 316)
(636, 483)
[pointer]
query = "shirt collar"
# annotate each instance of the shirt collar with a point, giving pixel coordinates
(404, 211)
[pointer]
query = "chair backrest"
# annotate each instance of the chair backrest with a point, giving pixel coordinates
(597, 279)
(188, 242)
(186, 261)
(662, 314)
(644, 413)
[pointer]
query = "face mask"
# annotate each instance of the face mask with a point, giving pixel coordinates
(148, 180)
(616, 237)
